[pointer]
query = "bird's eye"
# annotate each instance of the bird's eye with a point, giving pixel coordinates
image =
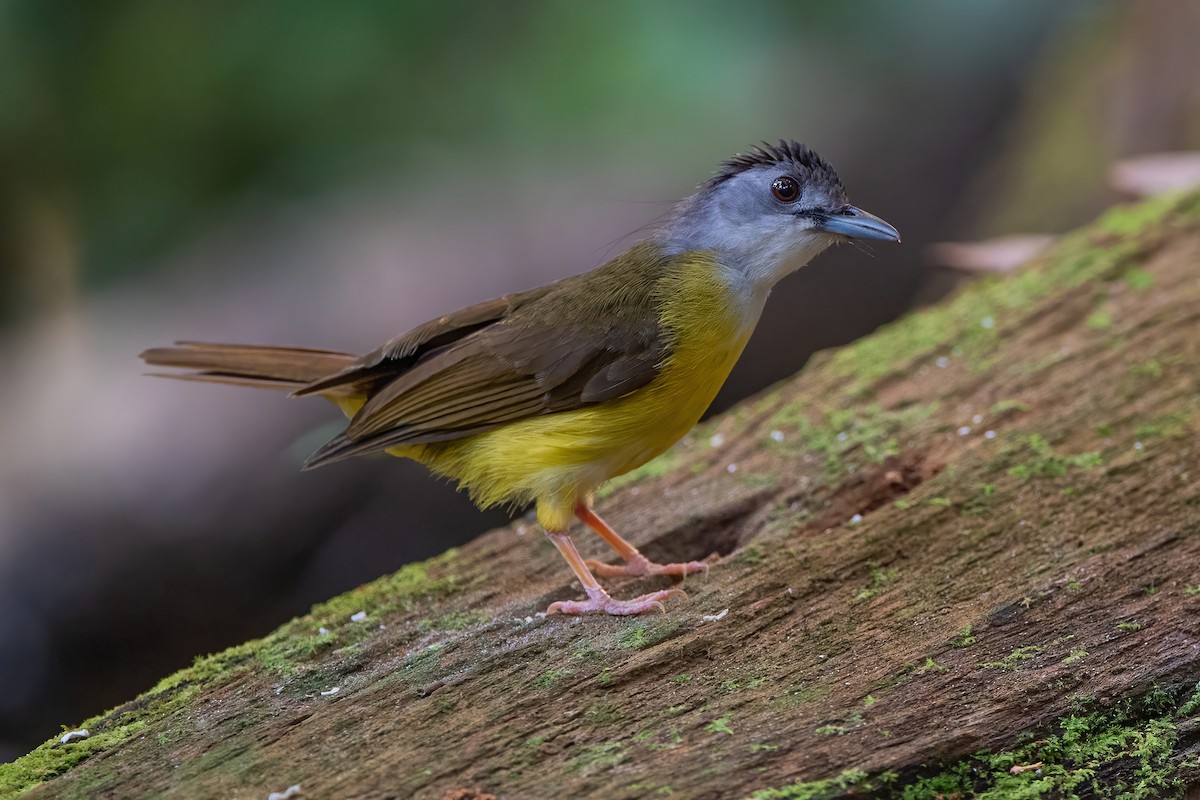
(785, 189)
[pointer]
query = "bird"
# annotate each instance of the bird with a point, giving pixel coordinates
(541, 396)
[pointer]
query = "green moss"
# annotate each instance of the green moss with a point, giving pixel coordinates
(963, 331)
(1077, 654)
(423, 666)
(719, 726)
(1016, 658)
(964, 638)
(863, 434)
(1003, 407)
(754, 555)
(931, 667)
(1138, 279)
(1133, 219)
(52, 758)
(647, 634)
(602, 714)
(396, 592)
(595, 757)
(878, 577)
(830, 730)
(549, 678)
(1135, 739)
(455, 621)
(1129, 626)
(280, 654)
(822, 789)
(805, 695)
(1133, 750)
(741, 684)
(1042, 462)
(1170, 425)
(1151, 368)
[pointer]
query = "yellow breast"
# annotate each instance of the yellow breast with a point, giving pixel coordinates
(558, 459)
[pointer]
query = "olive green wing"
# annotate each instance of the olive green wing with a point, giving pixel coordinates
(559, 350)
(405, 351)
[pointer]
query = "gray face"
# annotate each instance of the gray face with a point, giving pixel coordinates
(769, 212)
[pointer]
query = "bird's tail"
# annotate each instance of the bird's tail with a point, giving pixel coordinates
(266, 367)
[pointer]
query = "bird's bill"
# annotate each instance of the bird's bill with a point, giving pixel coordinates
(854, 223)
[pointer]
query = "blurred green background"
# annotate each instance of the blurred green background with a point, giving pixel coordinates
(128, 127)
(331, 174)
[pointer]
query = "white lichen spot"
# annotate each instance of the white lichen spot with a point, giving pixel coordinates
(717, 440)
(331, 692)
(71, 736)
(358, 616)
(777, 436)
(987, 323)
(857, 518)
(286, 794)
(978, 418)
(989, 434)
(942, 362)
(322, 631)
(843, 436)
(964, 430)
(715, 617)
(731, 468)
(1138, 446)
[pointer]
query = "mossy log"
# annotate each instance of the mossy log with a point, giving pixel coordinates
(959, 558)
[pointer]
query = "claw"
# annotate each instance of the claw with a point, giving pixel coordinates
(639, 565)
(599, 602)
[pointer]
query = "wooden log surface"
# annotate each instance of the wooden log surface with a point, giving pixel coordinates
(958, 558)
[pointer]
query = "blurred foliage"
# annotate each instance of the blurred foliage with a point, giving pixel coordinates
(127, 125)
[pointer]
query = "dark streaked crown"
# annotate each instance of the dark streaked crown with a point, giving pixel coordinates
(795, 158)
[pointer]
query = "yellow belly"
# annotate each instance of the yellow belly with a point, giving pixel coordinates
(558, 459)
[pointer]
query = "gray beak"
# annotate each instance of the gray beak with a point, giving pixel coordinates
(854, 223)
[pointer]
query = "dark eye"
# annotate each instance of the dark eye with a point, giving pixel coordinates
(785, 189)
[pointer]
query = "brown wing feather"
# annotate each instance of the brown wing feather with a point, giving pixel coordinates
(408, 349)
(550, 350)
(247, 364)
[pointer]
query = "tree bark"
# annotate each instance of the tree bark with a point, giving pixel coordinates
(957, 557)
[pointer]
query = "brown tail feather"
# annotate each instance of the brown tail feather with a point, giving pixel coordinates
(264, 366)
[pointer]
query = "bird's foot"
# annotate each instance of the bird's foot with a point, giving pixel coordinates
(637, 565)
(599, 602)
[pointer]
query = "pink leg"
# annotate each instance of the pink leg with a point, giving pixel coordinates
(635, 562)
(598, 601)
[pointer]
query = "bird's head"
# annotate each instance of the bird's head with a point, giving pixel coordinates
(769, 211)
